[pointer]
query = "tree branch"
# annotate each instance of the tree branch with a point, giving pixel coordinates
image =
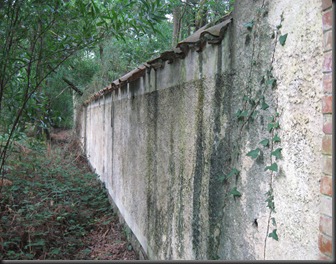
(72, 86)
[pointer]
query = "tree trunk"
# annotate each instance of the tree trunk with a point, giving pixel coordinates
(201, 15)
(177, 25)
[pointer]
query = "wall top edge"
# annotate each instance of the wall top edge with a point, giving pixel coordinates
(212, 33)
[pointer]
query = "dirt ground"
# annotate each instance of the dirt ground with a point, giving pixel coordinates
(106, 243)
(47, 201)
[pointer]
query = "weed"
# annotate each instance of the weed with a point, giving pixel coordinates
(53, 203)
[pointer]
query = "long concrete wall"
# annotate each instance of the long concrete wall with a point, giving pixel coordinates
(173, 146)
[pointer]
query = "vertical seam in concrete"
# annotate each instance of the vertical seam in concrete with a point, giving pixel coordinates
(198, 170)
(215, 202)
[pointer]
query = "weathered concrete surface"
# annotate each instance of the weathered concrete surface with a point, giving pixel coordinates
(163, 143)
(297, 98)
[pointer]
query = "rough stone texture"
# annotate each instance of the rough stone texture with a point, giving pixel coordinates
(163, 143)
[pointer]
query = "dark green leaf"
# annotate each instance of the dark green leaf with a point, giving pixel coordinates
(273, 221)
(271, 82)
(273, 167)
(254, 115)
(249, 25)
(272, 126)
(264, 106)
(264, 142)
(276, 138)
(254, 153)
(282, 39)
(241, 114)
(222, 177)
(252, 102)
(277, 153)
(233, 172)
(273, 235)
(235, 192)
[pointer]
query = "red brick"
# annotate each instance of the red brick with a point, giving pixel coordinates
(327, 104)
(325, 245)
(327, 165)
(326, 185)
(326, 205)
(326, 4)
(326, 145)
(327, 128)
(326, 225)
(327, 62)
(327, 20)
(323, 257)
(327, 83)
(327, 40)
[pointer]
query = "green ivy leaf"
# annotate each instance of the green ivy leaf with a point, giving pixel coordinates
(241, 114)
(273, 235)
(271, 82)
(233, 172)
(252, 102)
(273, 221)
(238, 113)
(277, 153)
(270, 203)
(264, 106)
(249, 25)
(282, 39)
(276, 138)
(235, 192)
(264, 142)
(254, 114)
(222, 177)
(254, 153)
(272, 167)
(272, 126)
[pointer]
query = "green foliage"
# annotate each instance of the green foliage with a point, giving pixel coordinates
(264, 106)
(254, 153)
(273, 221)
(249, 25)
(273, 235)
(270, 200)
(272, 167)
(38, 37)
(272, 82)
(272, 125)
(241, 114)
(277, 153)
(282, 39)
(276, 138)
(235, 192)
(233, 172)
(264, 142)
(55, 201)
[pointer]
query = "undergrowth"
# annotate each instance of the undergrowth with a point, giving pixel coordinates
(53, 203)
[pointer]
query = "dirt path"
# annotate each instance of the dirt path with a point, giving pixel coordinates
(105, 242)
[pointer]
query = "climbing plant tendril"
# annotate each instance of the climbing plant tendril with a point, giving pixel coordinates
(253, 105)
